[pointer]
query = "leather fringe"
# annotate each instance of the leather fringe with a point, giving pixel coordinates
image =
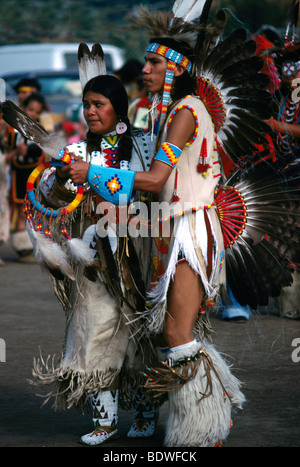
(172, 377)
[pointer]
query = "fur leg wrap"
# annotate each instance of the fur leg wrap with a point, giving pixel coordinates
(201, 392)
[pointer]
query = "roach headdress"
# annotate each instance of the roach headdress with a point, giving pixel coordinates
(259, 206)
(227, 71)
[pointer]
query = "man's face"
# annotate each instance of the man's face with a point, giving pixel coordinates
(154, 72)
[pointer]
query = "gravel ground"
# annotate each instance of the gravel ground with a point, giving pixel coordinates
(31, 319)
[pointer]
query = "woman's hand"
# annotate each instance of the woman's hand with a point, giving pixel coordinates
(76, 170)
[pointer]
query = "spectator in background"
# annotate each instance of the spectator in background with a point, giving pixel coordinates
(130, 75)
(286, 127)
(138, 112)
(75, 127)
(139, 105)
(4, 173)
(25, 87)
(23, 156)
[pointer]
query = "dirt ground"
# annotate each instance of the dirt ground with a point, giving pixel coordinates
(31, 319)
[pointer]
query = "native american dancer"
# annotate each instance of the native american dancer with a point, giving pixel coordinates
(212, 94)
(98, 271)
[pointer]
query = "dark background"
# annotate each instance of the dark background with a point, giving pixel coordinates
(105, 22)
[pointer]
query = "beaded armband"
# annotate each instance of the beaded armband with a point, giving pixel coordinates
(168, 153)
(113, 185)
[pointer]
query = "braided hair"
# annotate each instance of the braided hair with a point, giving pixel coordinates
(112, 88)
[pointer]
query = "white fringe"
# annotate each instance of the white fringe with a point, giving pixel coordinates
(71, 388)
(182, 242)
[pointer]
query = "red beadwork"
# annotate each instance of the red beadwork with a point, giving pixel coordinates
(212, 100)
(202, 166)
(175, 197)
(232, 213)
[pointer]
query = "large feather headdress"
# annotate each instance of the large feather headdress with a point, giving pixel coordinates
(255, 201)
(227, 71)
(165, 25)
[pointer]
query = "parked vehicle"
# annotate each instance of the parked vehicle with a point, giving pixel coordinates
(61, 89)
(51, 56)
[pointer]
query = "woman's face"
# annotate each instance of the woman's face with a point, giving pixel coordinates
(99, 113)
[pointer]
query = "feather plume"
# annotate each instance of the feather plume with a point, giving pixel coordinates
(50, 143)
(80, 252)
(84, 250)
(91, 63)
(50, 255)
(188, 10)
(203, 21)
(162, 24)
(205, 12)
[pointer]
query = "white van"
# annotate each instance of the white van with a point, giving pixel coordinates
(51, 56)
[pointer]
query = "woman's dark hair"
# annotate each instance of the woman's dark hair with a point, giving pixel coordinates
(112, 88)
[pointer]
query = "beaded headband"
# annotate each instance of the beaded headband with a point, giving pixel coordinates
(170, 54)
(173, 58)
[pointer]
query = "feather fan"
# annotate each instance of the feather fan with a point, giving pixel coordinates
(205, 45)
(226, 48)
(50, 143)
(257, 259)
